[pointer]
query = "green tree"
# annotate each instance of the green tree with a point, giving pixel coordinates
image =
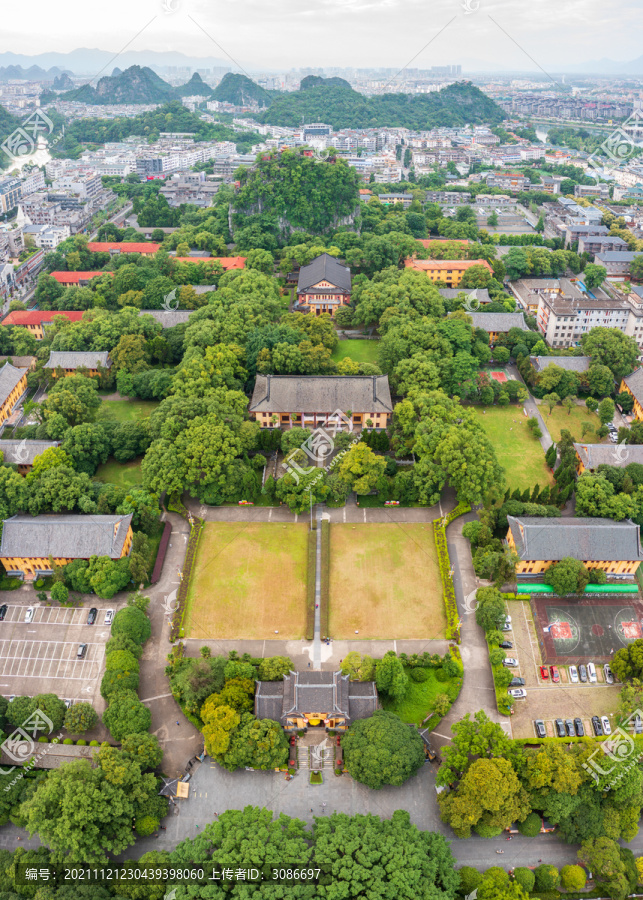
(390, 676)
(273, 668)
(594, 275)
(143, 749)
(126, 715)
(259, 743)
(382, 750)
(490, 608)
(573, 878)
(606, 410)
(361, 468)
(359, 666)
(132, 623)
(60, 593)
(568, 576)
(80, 717)
(610, 347)
(609, 865)
(87, 446)
(550, 401)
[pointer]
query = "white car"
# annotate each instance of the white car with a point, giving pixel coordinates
(518, 693)
(573, 674)
(29, 614)
(109, 616)
(605, 722)
(510, 662)
(591, 673)
(613, 438)
(609, 675)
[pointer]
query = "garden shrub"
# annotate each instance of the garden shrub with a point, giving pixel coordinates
(547, 877)
(133, 623)
(441, 675)
(531, 826)
(525, 878)
(487, 831)
(470, 879)
(146, 825)
(419, 674)
(81, 742)
(94, 743)
(68, 741)
(573, 878)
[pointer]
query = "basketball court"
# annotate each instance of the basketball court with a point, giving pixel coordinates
(499, 376)
(577, 631)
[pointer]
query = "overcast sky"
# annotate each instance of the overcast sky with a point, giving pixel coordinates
(281, 34)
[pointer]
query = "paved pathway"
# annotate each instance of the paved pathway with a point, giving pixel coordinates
(531, 407)
(317, 644)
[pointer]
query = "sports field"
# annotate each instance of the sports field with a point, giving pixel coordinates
(518, 451)
(249, 581)
(385, 582)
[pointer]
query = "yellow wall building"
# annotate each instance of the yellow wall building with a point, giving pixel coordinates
(13, 385)
(540, 542)
(70, 362)
(450, 271)
(633, 384)
(29, 543)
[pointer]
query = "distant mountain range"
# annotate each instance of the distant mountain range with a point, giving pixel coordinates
(33, 73)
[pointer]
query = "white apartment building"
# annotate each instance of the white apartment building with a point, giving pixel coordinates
(563, 320)
(33, 181)
(83, 184)
(47, 237)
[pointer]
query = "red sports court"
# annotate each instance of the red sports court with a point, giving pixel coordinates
(500, 377)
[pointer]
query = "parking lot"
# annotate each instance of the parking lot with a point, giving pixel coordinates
(41, 656)
(545, 700)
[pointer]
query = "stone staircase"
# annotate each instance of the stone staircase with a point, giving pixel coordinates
(315, 754)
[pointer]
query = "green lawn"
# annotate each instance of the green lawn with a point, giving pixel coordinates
(560, 419)
(518, 452)
(125, 475)
(125, 410)
(360, 351)
(419, 699)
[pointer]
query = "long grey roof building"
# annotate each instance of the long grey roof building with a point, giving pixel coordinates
(570, 363)
(169, 318)
(64, 536)
(594, 455)
(321, 393)
(635, 384)
(499, 322)
(23, 453)
(9, 379)
(78, 359)
(540, 538)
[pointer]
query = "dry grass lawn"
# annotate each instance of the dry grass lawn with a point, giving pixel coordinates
(385, 582)
(249, 581)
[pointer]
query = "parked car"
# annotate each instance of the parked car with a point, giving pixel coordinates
(609, 675)
(605, 722)
(91, 618)
(3, 611)
(580, 731)
(596, 725)
(555, 676)
(506, 645)
(582, 674)
(569, 725)
(544, 673)
(573, 674)
(637, 725)
(29, 614)
(591, 672)
(518, 693)
(510, 661)
(560, 728)
(82, 650)
(613, 438)
(506, 625)
(517, 682)
(109, 616)
(540, 728)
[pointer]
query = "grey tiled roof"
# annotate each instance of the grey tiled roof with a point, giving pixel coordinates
(635, 384)
(324, 268)
(20, 362)
(480, 294)
(90, 359)
(321, 393)
(23, 453)
(618, 255)
(9, 378)
(168, 319)
(269, 700)
(499, 321)
(570, 363)
(328, 693)
(67, 536)
(539, 538)
(593, 455)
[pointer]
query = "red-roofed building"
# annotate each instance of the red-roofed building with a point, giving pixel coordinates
(450, 271)
(226, 262)
(35, 320)
(76, 279)
(123, 247)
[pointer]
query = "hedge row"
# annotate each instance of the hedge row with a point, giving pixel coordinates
(310, 585)
(444, 563)
(176, 625)
(324, 601)
(125, 714)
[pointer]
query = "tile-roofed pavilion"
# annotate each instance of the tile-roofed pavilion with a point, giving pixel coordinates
(315, 698)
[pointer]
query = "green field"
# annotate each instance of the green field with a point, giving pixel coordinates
(359, 351)
(518, 452)
(249, 581)
(385, 582)
(418, 700)
(560, 419)
(125, 410)
(125, 475)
